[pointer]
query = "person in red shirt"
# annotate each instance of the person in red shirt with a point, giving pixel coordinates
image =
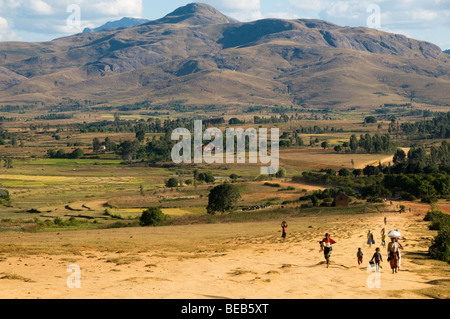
(284, 226)
(326, 247)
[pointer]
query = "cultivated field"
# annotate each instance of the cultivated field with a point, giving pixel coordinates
(78, 211)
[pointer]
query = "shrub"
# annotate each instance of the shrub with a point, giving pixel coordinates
(58, 221)
(440, 249)
(207, 177)
(4, 196)
(272, 184)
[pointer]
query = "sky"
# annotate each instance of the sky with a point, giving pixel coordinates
(45, 20)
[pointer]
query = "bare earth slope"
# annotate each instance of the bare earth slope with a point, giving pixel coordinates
(246, 260)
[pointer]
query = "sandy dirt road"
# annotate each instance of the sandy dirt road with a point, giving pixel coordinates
(245, 260)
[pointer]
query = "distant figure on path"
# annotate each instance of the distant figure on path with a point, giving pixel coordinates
(370, 240)
(385, 220)
(325, 245)
(383, 237)
(359, 255)
(284, 226)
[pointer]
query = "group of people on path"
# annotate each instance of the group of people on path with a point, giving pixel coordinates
(393, 249)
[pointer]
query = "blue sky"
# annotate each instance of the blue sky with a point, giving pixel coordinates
(43, 20)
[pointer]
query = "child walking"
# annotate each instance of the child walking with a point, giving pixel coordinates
(378, 259)
(359, 255)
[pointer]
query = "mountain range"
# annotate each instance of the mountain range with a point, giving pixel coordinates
(118, 24)
(198, 56)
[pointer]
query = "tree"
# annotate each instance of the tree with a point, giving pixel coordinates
(8, 162)
(370, 119)
(353, 143)
(152, 216)
(399, 157)
(314, 200)
(324, 144)
(172, 182)
(4, 196)
(344, 172)
(337, 148)
(357, 172)
(140, 135)
(96, 145)
(206, 177)
(61, 154)
(370, 170)
(128, 149)
(77, 153)
(222, 198)
(281, 173)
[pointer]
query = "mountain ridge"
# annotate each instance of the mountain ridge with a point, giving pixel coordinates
(197, 54)
(125, 22)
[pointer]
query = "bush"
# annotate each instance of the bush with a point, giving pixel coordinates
(440, 249)
(272, 184)
(206, 177)
(4, 196)
(152, 216)
(437, 219)
(172, 182)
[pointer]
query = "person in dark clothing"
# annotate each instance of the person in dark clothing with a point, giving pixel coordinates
(377, 258)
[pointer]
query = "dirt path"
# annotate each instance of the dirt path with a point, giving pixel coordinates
(247, 260)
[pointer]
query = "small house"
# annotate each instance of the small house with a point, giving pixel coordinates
(341, 200)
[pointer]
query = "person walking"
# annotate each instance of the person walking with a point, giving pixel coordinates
(284, 226)
(393, 255)
(326, 247)
(383, 237)
(377, 258)
(359, 256)
(370, 240)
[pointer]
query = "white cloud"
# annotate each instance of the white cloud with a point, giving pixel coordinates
(282, 15)
(6, 34)
(236, 5)
(241, 10)
(50, 16)
(40, 7)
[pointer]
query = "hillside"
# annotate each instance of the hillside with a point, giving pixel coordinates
(200, 56)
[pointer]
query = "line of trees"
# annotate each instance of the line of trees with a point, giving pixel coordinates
(378, 143)
(416, 175)
(435, 128)
(76, 153)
